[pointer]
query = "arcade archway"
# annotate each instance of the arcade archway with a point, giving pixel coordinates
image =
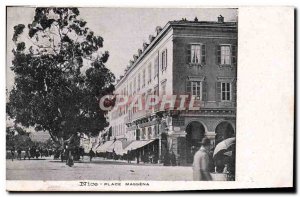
(195, 132)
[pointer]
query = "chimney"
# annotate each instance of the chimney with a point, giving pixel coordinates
(196, 19)
(140, 52)
(145, 45)
(220, 19)
(151, 38)
(158, 29)
(135, 57)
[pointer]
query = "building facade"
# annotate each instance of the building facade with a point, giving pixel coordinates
(193, 58)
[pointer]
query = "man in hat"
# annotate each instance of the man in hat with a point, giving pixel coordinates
(201, 162)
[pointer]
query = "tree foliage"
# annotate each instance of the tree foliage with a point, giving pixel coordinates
(59, 75)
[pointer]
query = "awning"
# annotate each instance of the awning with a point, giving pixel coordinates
(119, 147)
(103, 147)
(137, 144)
(96, 147)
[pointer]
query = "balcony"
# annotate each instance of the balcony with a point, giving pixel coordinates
(217, 104)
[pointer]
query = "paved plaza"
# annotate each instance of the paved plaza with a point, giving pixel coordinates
(98, 169)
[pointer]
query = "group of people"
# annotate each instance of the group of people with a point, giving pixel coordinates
(69, 155)
(203, 163)
(31, 152)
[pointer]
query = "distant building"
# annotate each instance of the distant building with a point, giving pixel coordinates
(195, 58)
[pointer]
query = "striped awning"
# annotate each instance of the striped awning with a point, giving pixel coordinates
(137, 144)
(103, 148)
(119, 147)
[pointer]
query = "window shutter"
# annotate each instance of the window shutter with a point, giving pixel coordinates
(203, 54)
(234, 90)
(234, 54)
(204, 91)
(166, 59)
(188, 54)
(219, 54)
(188, 88)
(156, 67)
(218, 91)
(161, 61)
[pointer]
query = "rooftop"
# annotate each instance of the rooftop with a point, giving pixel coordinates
(161, 31)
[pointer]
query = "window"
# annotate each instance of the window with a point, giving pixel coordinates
(130, 89)
(134, 85)
(139, 82)
(225, 91)
(156, 64)
(143, 136)
(163, 87)
(138, 134)
(155, 131)
(149, 73)
(149, 133)
(164, 60)
(144, 97)
(144, 78)
(194, 88)
(149, 93)
(225, 55)
(196, 54)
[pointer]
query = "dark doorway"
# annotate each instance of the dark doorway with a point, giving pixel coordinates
(195, 132)
(223, 131)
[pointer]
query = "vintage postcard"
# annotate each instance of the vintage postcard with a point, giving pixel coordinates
(134, 99)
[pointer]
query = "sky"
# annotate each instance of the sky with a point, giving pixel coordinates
(123, 29)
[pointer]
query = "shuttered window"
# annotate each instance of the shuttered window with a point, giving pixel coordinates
(149, 133)
(164, 58)
(134, 85)
(225, 91)
(149, 73)
(226, 54)
(196, 88)
(156, 64)
(196, 54)
(234, 54)
(130, 89)
(139, 82)
(144, 78)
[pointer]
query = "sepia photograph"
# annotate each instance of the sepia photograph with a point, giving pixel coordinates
(114, 97)
(149, 99)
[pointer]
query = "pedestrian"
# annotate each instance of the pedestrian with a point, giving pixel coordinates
(19, 151)
(128, 156)
(91, 154)
(12, 151)
(114, 154)
(62, 155)
(173, 159)
(70, 160)
(27, 154)
(201, 162)
(167, 160)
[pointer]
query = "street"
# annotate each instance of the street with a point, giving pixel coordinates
(98, 169)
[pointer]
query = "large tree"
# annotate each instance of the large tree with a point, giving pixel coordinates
(59, 75)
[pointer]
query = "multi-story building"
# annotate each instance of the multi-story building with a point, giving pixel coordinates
(195, 58)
